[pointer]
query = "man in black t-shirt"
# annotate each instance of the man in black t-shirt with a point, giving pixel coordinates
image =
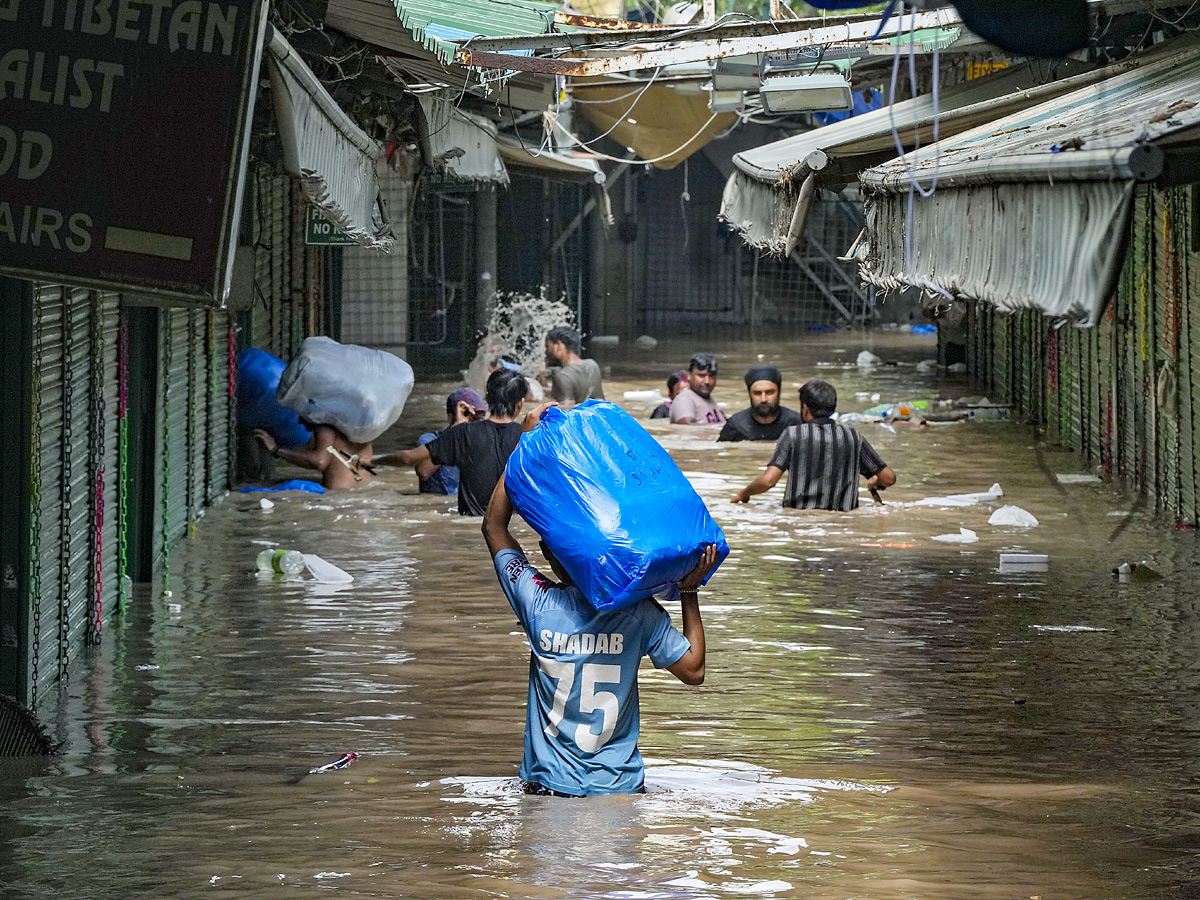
(765, 420)
(480, 449)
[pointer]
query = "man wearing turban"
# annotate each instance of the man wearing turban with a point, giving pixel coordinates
(765, 420)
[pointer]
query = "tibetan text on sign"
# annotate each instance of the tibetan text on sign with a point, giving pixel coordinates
(123, 138)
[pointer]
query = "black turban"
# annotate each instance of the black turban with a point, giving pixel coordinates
(764, 373)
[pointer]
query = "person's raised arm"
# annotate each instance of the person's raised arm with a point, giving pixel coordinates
(496, 521)
(310, 456)
(689, 668)
(759, 485)
(412, 457)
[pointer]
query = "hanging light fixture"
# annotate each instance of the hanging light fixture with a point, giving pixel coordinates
(805, 93)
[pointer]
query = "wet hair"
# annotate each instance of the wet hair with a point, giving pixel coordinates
(673, 380)
(564, 334)
(703, 361)
(820, 398)
(505, 389)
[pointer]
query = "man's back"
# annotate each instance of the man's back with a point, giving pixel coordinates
(823, 461)
(480, 451)
(583, 719)
(574, 383)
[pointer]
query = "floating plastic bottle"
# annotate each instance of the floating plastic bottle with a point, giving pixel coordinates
(281, 562)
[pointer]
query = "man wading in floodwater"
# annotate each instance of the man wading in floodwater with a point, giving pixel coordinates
(823, 459)
(765, 420)
(582, 720)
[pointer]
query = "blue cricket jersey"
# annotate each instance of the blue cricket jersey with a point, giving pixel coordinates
(582, 723)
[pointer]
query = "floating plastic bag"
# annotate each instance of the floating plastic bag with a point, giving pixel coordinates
(995, 492)
(1013, 515)
(359, 391)
(610, 502)
(325, 572)
(867, 359)
(964, 536)
(296, 484)
(258, 374)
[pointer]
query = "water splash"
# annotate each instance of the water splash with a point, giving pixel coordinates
(517, 327)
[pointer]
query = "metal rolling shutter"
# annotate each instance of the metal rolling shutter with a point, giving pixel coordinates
(1190, 381)
(1105, 402)
(48, 357)
(1124, 309)
(76, 487)
(1002, 364)
(197, 414)
(107, 306)
(216, 386)
(173, 418)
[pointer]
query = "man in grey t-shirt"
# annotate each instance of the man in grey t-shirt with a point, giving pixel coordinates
(823, 459)
(572, 378)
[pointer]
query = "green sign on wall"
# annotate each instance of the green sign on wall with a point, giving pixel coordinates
(319, 230)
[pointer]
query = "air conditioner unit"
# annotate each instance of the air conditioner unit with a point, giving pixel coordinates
(805, 93)
(738, 73)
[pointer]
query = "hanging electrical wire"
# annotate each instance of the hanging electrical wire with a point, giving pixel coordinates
(657, 159)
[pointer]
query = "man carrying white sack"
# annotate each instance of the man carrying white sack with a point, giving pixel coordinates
(583, 719)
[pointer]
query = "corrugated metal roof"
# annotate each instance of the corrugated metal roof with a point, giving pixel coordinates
(333, 159)
(462, 144)
(961, 107)
(1032, 210)
(1086, 135)
(761, 194)
(442, 26)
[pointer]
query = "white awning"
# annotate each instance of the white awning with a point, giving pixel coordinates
(565, 166)
(1032, 210)
(333, 158)
(461, 144)
(760, 197)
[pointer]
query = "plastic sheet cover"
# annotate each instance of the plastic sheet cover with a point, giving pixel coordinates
(610, 502)
(258, 374)
(359, 391)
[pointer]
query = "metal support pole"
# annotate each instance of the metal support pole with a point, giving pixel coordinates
(485, 252)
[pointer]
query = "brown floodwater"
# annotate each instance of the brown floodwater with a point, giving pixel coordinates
(885, 716)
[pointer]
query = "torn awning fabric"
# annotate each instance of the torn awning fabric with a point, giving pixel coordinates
(333, 159)
(1032, 210)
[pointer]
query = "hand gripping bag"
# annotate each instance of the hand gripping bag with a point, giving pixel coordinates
(359, 391)
(610, 502)
(258, 375)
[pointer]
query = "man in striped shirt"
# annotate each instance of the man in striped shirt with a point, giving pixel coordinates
(824, 459)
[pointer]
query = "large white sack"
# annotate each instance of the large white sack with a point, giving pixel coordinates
(1013, 515)
(359, 391)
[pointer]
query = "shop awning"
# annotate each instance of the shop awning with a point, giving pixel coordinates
(661, 125)
(419, 36)
(460, 144)
(333, 159)
(761, 195)
(548, 164)
(1032, 210)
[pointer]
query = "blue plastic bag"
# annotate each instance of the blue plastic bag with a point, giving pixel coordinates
(258, 374)
(610, 502)
(296, 484)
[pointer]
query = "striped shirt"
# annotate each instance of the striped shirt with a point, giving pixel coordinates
(823, 461)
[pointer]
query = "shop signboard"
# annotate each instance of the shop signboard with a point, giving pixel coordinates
(320, 231)
(124, 131)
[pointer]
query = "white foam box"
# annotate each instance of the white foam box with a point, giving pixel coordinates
(1024, 562)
